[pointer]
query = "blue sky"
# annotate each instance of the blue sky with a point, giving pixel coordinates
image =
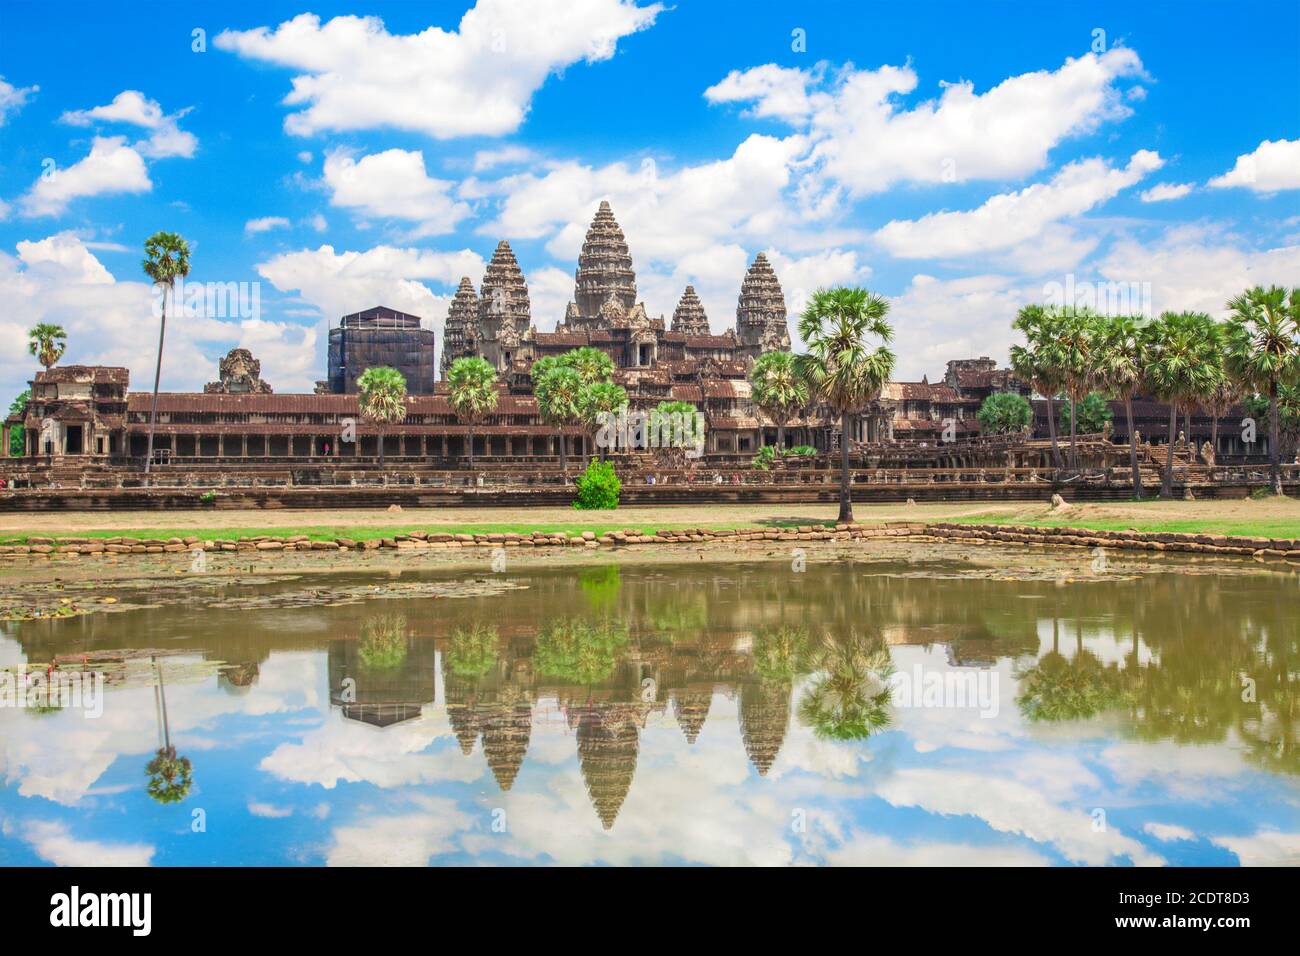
(958, 158)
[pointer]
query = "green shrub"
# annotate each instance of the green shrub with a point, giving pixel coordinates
(598, 488)
(802, 451)
(763, 460)
(208, 497)
(1004, 413)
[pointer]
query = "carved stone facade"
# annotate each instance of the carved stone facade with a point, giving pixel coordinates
(689, 317)
(503, 310)
(238, 374)
(459, 334)
(760, 312)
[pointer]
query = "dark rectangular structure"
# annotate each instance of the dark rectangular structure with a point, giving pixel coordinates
(381, 336)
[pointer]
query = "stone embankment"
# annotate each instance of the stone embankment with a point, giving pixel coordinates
(1169, 541)
(48, 547)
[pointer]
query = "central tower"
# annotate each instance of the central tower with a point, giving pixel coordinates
(604, 273)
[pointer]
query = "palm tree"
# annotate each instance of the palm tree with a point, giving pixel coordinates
(169, 774)
(840, 366)
(1031, 364)
(778, 390)
(598, 401)
(48, 343)
(473, 393)
(1263, 353)
(1069, 349)
(166, 259)
(849, 698)
(558, 390)
(382, 397)
(593, 366)
(1118, 364)
(1181, 350)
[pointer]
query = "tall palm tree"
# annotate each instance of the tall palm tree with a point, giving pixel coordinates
(840, 366)
(170, 775)
(593, 367)
(166, 259)
(1181, 349)
(597, 401)
(1119, 363)
(778, 390)
(381, 393)
(1069, 349)
(473, 395)
(558, 389)
(1263, 353)
(1032, 364)
(47, 342)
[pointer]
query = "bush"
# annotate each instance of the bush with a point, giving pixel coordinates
(763, 460)
(1090, 415)
(208, 497)
(802, 451)
(598, 488)
(1004, 413)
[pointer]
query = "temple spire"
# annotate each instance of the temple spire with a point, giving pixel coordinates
(604, 267)
(689, 317)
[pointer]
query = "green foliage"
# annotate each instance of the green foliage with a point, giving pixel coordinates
(601, 586)
(801, 451)
(17, 443)
(383, 643)
(765, 457)
(777, 387)
(598, 488)
(675, 408)
(782, 653)
(472, 651)
(208, 497)
(473, 388)
(382, 395)
(1003, 413)
(47, 342)
(578, 651)
(170, 776)
(841, 368)
(1091, 414)
(167, 258)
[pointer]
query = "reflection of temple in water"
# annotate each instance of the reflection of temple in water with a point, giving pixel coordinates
(764, 719)
(382, 695)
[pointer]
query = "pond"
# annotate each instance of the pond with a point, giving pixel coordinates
(903, 709)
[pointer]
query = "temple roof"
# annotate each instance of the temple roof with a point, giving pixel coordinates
(689, 317)
(604, 266)
(503, 292)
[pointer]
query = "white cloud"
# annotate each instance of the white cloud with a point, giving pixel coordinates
(305, 156)
(393, 185)
(108, 320)
(265, 224)
(1264, 848)
(110, 167)
(505, 156)
(477, 80)
(867, 142)
(1167, 832)
(1010, 219)
(54, 843)
(135, 109)
(1198, 267)
(13, 98)
(940, 319)
(1163, 192)
(1274, 165)
(407, 839)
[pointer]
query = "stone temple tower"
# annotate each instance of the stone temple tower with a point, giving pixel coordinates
(689, 317)
(458, 336)
(503, 309)
(604, 272)
(760, 312)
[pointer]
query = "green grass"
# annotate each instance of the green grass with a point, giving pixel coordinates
(1246, 528)
(369, 533)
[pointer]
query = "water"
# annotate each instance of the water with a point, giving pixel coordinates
(891, 711)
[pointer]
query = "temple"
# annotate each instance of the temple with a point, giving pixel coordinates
(80, 416)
